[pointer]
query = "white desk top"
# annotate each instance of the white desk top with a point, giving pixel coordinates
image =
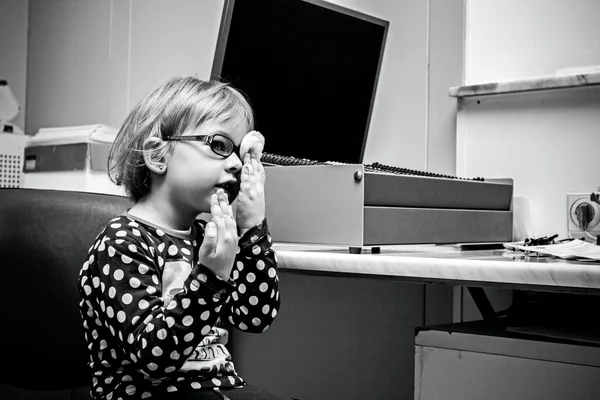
(447, 264)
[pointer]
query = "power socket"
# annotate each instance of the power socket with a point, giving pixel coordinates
(573, 201)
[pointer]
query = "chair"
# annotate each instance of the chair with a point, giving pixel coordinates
(44, 239)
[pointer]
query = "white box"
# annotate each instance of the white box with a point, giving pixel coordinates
(70, 158)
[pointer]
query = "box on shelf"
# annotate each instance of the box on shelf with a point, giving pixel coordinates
(70, 158)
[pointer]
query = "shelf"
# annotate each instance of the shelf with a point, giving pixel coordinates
(527, 85)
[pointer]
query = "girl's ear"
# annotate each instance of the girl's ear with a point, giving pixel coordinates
(153, 159)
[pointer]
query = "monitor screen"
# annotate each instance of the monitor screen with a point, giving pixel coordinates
(310, 70)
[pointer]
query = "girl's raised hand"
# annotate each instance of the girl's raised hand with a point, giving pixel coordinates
(217, 251)
(251, 199)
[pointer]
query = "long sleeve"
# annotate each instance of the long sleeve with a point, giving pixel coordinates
(157, 330)
(254, 303)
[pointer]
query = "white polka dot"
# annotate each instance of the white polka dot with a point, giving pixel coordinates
(187, 320)
(143, 304)
(87, 290)
(170, 369)
(240, 265)
(151, 289)
(250, 277)
(121, 234)
(266, 309)
(136, 232)
(171, 388)
(255, 250)
(134, 283)
(274, 313)
(118, 275)
(85, 266)
(244, 309)
(174, 355)
(132, 248)
(115, 226)
(204, 316)
(110, 312)
(185, 251)
(185, 303)
(242, 288)
(127, 298)
(187, 351)
(235, 296)
(272, 272)
(146, 395)
(157, 351)
(155, 279)
(159, 233)
(135, 320)
(260, 265)
(112, 292)
(205, 330)
(263, 287)
(126, 259)
(170, 321)
(144, 343)
(106, 269)
(152, 367)
(189, 337)
(243, 326)
(253, 300)
(121, 316)
(143, 268)
(195, 385)
(161, 334)
(256, 321)
(235, 274)
(172, 250)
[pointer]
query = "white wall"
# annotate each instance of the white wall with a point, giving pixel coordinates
(513, 39)
(13, 50)
(91, 61)
(546, 141)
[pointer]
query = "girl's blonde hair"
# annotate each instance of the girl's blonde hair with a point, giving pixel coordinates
(176, 106)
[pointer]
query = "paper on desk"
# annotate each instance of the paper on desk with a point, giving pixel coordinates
(572, 250)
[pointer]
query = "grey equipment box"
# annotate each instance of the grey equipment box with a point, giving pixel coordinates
(344, 205)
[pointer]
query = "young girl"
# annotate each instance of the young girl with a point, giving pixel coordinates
(159, 284)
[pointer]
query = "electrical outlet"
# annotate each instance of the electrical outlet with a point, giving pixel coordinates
(575, 200)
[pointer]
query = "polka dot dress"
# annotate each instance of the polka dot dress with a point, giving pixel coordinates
(153, 316)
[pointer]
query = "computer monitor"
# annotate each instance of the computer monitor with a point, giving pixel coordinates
(310, 69)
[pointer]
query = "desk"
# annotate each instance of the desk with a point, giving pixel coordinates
(449, 265)
(348, 320)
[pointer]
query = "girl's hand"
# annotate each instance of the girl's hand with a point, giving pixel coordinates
(217, 251)
(251, 199)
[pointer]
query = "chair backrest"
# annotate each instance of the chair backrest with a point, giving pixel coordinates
(44, 239)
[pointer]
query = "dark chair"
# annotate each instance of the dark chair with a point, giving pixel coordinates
(44, 239)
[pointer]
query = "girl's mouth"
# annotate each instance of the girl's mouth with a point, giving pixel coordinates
(232, 188)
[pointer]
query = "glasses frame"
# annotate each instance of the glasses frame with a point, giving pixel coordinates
(208, 139)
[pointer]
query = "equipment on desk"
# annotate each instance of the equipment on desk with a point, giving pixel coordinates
(368, 205)
(70, 158)
(12, 140)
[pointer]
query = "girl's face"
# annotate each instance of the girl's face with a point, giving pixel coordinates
(194, 171)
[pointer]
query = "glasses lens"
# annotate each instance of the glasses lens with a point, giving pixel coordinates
(222, 145)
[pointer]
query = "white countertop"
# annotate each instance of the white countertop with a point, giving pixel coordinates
(446, 264)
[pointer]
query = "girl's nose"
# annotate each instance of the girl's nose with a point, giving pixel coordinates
(234, 164)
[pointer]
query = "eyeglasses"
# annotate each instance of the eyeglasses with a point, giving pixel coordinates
(219, 144)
